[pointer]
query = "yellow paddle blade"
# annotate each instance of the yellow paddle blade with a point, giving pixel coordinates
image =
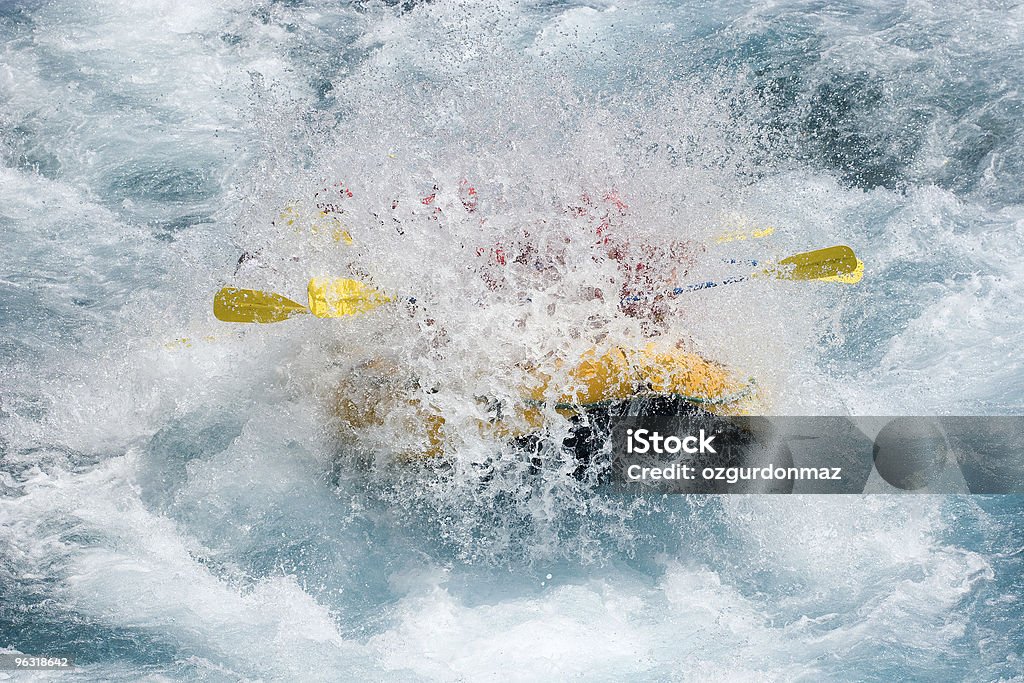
(338, 297)
(848, 278)
(322, 223)
(815, 265)
(253, 306)
(740, 235)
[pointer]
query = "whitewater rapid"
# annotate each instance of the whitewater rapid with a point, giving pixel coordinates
(175, 501)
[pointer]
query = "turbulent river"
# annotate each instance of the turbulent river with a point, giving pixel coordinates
(177, 497)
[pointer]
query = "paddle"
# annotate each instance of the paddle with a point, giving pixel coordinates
(340, 297)
(234, 305)
(836, 264)
(328, 298)
(744, 234)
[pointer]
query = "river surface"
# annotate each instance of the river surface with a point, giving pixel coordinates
(178, 500)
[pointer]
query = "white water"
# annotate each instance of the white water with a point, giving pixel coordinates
(186, 511)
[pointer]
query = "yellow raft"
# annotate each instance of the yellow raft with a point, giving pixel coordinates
(622, 374)
(600, 380)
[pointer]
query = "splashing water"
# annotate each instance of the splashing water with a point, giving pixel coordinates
(197, 510)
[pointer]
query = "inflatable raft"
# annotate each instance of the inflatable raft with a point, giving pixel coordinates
(618, 373)
(602, 383)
